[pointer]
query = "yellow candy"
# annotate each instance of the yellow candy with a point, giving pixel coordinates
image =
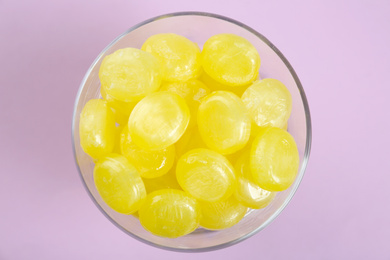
(120, 108)
(189, 141)
(233, 158)
(230, 59)
(169, 213)
(117, 146)
(97, 128)
(181, 144)
(206, 175)
(159, 120)
(193, 91)
(150, 164)
(248, 193)
(179, 56)
(268, 102)
(120, 118)
(221, 215)
(130, 74)
(119, 184)
(184, 121)
(214, 85)
(223, 122)
(167, 181)
(274, 159)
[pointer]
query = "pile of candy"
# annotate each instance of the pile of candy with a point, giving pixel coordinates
(186, 138)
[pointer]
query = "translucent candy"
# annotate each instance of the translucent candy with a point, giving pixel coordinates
(206, 175)
(221, 215)
(230, 59)
(181, 144)
(214, 85)
(235, 156)
(119, 184)
(223, 122)
(274, 159)
(179, 56)
(269, 103)
(159, 120)
(206, 133)
(121, 109)
(189, 141)
(248, 193)
(169, 213)
(117, 146)
(130, 74)
(167, 181)
(97, 128)
(193, 91)
(120, 106)
(150, 164)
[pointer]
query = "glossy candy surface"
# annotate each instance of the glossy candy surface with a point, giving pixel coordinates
(230, 59)
(120, 109)
(166, 181)
(223, 122)
(206, 175)
(274, 159)
(169, 213)
(214, 85)
(117, 146)
(159, 120)
(221, 215)
(97, 128)
(150, 164)
(179, 56)
(268, 102)
(189, 141)
(193, 91)
(248, 193)
(119, 184)
(130, 74)
(172, 123)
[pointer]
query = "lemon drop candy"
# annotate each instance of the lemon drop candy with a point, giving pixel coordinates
(130, 74)
(158, 120)
(248, 193)
(230, 59)
(150, 164)
(285, 127)
(189, 141)
(169, 213)
(166, 181)
(206, 175)
(268, 102)
(117, 146)
(120, 108)
(223, 122)
(274, 159)
(222, 214)
(193, 91)
(97, 128)
(214, 85)
(119, 184)
(181, 144)
(179, 56)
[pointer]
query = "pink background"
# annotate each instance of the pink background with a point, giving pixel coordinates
(340, 51)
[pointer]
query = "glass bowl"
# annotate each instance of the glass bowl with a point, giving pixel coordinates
(198, 27)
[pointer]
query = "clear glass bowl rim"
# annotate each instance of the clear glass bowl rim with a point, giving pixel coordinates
(304, 101)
